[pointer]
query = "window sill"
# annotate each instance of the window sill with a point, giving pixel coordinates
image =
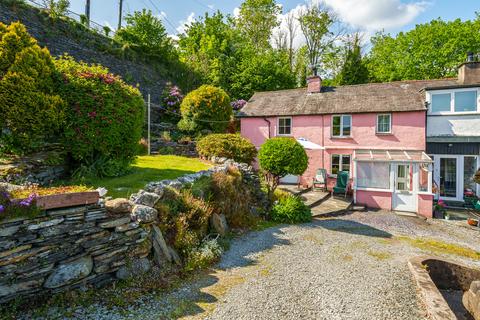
(384, 133)
(372, 189)
(340, 137)
(450, 113)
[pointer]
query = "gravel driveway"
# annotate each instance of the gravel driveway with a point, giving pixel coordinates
(350, 267)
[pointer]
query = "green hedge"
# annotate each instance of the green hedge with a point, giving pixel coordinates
(104, 117)
(32, 111)
(231, 146)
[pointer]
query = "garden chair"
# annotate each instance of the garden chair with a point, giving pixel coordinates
(320, 180)
(343, 183)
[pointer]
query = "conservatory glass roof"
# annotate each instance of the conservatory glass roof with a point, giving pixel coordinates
(391, 156)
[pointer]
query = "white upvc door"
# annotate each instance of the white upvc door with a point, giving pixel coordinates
(405, 187)
(448, 175)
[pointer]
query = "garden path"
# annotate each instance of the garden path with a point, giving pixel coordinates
(348, 267)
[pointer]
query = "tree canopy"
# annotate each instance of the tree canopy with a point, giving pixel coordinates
(429, 51)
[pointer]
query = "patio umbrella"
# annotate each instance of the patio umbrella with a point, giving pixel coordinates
(309, 145)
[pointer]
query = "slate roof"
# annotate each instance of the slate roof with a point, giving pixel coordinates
(372, 97)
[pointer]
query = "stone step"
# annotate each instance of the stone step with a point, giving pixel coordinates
(332, 206)
(314, 198)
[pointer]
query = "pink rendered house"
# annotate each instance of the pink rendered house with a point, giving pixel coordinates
(375, 131)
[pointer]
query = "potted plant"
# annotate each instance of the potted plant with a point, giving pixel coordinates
(439, 210)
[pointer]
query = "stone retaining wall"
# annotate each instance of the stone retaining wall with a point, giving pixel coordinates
(91, 245)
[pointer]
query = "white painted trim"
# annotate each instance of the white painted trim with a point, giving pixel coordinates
(390, 124)
(452, 92)
(373, 189)
(341, 136)
(277, 129)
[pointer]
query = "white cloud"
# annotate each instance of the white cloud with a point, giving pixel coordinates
(184, 23)
(211, 6)
(236, 12)
(299, 39)
(163, 14)
(376, 15)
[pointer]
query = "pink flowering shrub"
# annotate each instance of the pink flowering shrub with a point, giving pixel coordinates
(104, 119)
(171, 99)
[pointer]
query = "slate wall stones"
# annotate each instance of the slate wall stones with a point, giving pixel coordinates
(67, 248)
(82, 246)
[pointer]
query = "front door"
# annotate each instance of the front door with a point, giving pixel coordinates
(404, 198)
(448, 178)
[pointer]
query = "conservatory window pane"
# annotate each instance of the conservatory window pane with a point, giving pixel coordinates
(465, 101)
(375, 175)
(441, 102)
(423, 178)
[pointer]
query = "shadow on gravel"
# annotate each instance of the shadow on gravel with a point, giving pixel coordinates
(243, 250)
(351, 227)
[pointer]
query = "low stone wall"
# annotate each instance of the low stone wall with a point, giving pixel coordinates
(175, 148)
(92, 245)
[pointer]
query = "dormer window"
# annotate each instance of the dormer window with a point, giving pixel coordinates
(454, 101)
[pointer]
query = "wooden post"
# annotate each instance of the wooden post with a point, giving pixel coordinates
(87, 12)
(148, 116)
(120, 9)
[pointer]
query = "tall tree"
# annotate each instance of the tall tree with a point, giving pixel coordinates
(354, 70)
(292, 28)
(257, 19)
(429, 51)
(146, 32)
(321, 29)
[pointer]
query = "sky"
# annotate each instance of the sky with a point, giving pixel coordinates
(367, 16)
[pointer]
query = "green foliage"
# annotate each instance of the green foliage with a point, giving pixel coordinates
(354, 70)
(205, 109)
(32, 111)
(203, 256)
(291, 209)
(266, 71)
(257, 19)
(281, 156)
(430, 51)
(104, 117)
(230, 146)
(233, 198)
(184, 220)
(145, 32)
(11, 208)
(202, 188)
(315, 23)
(56, 8)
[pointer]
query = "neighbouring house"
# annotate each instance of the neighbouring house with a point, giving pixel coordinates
(376, 132)
(453, 132)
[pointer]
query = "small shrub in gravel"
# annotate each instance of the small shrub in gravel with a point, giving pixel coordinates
(204, 255)
(291, 210)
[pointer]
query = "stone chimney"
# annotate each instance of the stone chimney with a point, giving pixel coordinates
(469, 72)
(314, 84)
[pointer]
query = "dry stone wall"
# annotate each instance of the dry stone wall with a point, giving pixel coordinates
(92, 245)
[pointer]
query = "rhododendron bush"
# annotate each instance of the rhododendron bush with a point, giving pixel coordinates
(104, 116)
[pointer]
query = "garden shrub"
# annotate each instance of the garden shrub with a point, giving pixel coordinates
(230, 146)
(104, 118)
(203, 188)
(204, 255)
(184, 220)
(12, 208)
(206, 109)
(281, 156)
(171, 99)
(291, 209)
(32, 111)
(233, 198)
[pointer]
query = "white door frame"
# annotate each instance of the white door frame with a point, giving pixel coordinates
(459, 173)
(411, 195)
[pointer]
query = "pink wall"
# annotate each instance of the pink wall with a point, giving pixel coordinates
(408, 132)
(375, 199)
(425, 204)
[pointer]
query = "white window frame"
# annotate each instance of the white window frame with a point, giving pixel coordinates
(340, 166)
(278, 126)
(452, 101)
(341, 126)
(389, 124)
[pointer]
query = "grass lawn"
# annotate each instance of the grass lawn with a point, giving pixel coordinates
(148, 169)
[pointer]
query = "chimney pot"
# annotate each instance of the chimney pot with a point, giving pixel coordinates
(314, 84)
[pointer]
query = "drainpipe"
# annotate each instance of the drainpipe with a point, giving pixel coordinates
(323, 141)
(269, 127)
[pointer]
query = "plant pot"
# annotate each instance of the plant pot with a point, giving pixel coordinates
(472, 222)
(67, 200)
(439, 214)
